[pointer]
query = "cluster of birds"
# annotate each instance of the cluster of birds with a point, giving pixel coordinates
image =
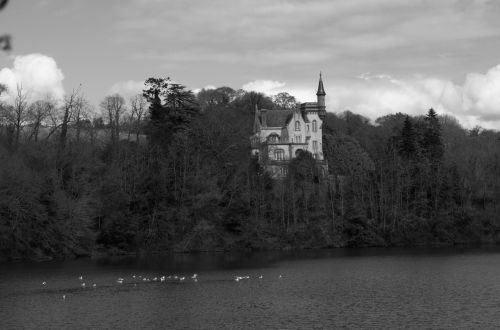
(162, 278)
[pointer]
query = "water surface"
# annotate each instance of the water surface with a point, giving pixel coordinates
(361, 288)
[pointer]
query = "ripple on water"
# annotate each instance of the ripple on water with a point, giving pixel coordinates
(384, 290)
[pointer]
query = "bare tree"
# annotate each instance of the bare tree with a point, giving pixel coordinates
(38, 112)
(18, 113)
(138, 104)
(80, 113)
(113, 107)
(69, 105)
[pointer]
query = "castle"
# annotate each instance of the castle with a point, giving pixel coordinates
(280, 135)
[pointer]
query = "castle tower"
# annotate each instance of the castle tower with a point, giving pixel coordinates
(321, 99)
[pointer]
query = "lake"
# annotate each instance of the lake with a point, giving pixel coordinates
(352, 288)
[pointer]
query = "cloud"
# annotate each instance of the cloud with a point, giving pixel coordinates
(38, 75)
(269, 87)
(482, 94)
(207, 87)
(127, 89)
(476, 101)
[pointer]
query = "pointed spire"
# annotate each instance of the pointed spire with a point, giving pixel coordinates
(321, 89)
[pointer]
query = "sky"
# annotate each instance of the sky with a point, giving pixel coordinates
(377, 56)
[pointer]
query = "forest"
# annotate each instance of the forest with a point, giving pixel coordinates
(171, 171)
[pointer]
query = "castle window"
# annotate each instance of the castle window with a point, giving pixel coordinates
(315, 146)
(273, 138)
(315, 126)
(279, 154)
(307, 127)
(297, 125)
(298, 139)
(284, 171)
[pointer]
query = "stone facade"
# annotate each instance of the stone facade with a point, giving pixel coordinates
(280, 135)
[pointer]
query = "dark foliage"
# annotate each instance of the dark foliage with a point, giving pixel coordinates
(193, 185)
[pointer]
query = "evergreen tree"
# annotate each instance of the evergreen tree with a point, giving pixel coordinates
(156, 121)
(181, 108)
(408, 146)
(432, 142)
(169, 115)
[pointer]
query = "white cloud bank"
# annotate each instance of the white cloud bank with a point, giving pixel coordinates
(38, 75)
(475, 102)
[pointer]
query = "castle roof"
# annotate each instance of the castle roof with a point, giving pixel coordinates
(277, 118)
(321, 89)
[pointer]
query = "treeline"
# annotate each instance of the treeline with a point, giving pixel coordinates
(170, 170)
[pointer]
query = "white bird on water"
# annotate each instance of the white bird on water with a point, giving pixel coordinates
(162, 279)
(81, 278)
(194, 276)
(119, 280)
(94, 285)
(83, 285)
(260, 277)
(64, 297)
(44, 283)
(182, 278)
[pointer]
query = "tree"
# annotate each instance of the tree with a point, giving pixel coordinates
(171, 109)
(69, 103)
(432, 142)
(248, 101)
(138, 107)
(113, 107)
(210, 98)
(284, 101)
(19, 113)
(80, 114)
(408, 140)
(38, 112)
